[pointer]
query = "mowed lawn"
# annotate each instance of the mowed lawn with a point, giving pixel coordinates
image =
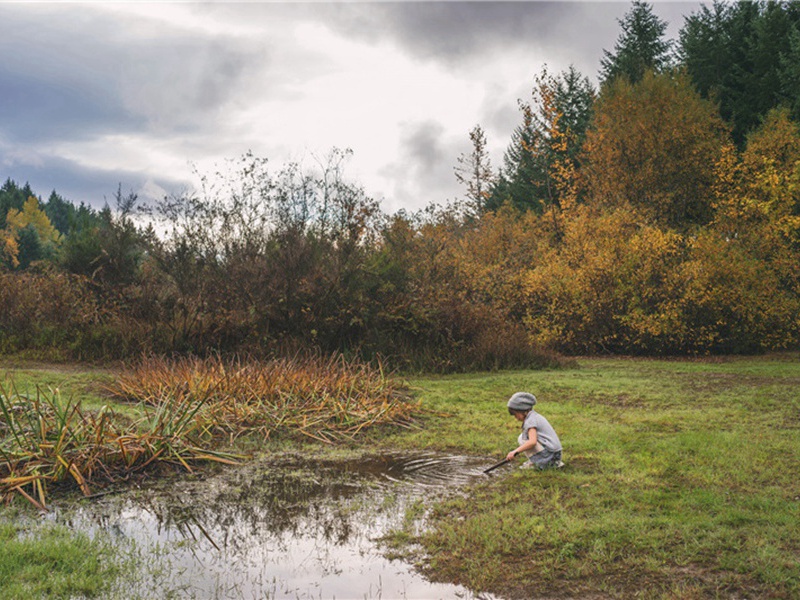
(682, 480)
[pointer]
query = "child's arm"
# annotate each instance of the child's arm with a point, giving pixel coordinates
(531, 444)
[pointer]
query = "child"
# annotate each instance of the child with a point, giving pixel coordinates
(538, 440)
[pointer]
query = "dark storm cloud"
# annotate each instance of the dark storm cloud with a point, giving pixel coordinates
(454, 30)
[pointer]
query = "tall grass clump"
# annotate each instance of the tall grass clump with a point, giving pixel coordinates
(327, 398)
(47, 440)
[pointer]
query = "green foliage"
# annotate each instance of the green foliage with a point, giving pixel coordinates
(552, 133)
(744, 56)
(641, 46)
(60, 212)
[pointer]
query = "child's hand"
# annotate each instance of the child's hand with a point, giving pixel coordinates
(511, 455)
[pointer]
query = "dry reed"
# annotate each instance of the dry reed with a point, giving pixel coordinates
(187, 403)
(325, 398)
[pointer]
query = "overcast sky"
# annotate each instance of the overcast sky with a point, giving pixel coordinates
(140, 94)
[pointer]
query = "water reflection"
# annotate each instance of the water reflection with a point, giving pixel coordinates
(282, 529)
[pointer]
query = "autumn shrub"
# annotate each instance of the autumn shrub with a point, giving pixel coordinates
(617, 285)
(733, 302)
(608, 286)
(454, 299)
(44, 309)
(441, 334)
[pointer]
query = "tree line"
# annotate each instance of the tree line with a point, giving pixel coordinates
(656, 214)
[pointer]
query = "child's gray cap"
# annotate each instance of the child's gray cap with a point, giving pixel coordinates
(522, 401)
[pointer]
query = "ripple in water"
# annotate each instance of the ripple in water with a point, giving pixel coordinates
(292, 529)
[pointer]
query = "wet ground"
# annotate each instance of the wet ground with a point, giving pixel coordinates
(293, 528)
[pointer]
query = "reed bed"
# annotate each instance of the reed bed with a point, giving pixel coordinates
(327, 398)
(47, 440)
(188, 405)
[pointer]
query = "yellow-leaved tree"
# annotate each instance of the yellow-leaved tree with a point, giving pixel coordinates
(757, 217)
(29, 235)
(653, 145)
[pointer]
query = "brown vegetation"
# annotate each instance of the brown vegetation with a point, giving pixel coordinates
(188, 407)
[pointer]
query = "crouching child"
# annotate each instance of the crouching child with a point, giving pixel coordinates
(538, 440)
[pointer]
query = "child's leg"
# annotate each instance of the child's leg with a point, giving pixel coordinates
(546, 459)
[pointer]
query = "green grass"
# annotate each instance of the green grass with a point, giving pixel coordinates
(681, 481)
(48, 561)
(71, 381)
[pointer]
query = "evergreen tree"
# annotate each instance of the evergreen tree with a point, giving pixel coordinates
(641, 46)
(29, 246)
(743, 56)
(12, 197)
(60, 212)
(790, 80)
(519, 180)
(574, 97)
(553, 129)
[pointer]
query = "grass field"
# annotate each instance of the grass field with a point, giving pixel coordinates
(53, 562)
(681, 480)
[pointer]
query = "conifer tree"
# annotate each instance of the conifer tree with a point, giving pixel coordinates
(474, 171)
(744, 56)
(553, 129)
(641, 46)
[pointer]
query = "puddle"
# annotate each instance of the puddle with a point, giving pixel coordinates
(294, 529)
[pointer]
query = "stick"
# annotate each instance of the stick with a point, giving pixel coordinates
(500, 464)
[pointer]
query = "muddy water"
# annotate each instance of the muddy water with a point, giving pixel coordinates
(287, 529)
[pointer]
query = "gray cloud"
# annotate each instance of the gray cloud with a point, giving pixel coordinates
(80, 184)
(459, 32)
(423, 170)
(75, 72)
(98, 81)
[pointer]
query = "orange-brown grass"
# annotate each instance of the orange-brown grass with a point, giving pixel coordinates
(325, 398)
(47, 440)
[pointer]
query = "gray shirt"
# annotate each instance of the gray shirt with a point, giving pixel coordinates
(545, 434)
